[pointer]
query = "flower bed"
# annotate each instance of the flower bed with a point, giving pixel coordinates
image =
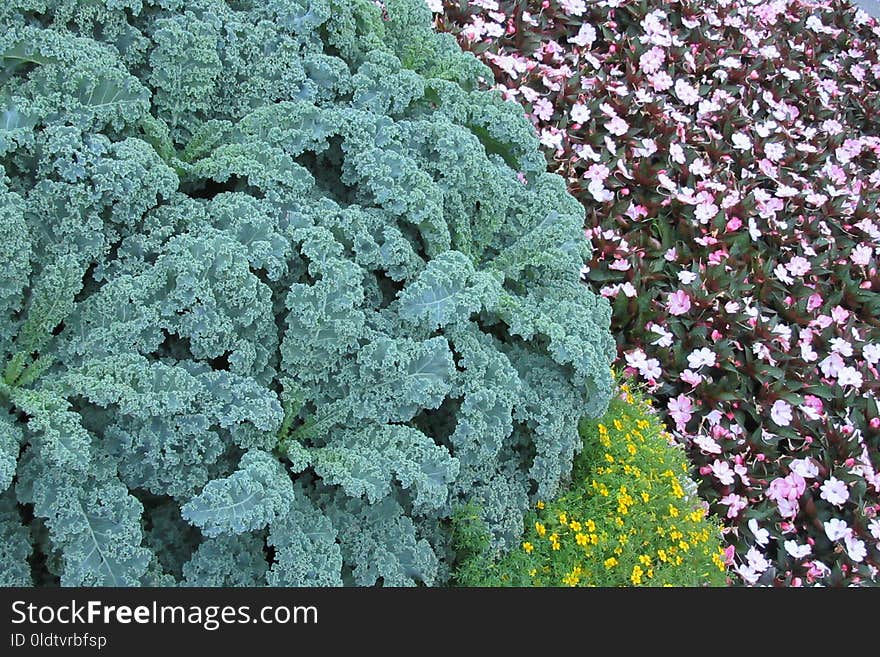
(726, 156)
(629, 518)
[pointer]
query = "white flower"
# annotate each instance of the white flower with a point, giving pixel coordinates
(628, 289)
(834, 491)
(780, 413)
(699, 357)
(871, 353)
(635, 358)
(651, 369)
(805, 468)
(665, 339)
(685, 92)
(842, 347)
(573, 7)
(580, 113)
(855, 548)
(861, 255)
(874, 528)
(585, 36)
(435, 6)
(797, 551)
(762, 536)
(836, 529)
(756, 560)
(849, 376)
(741, 141)
(774, 151)
(687, 277)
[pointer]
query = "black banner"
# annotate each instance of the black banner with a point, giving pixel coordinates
(121, 621)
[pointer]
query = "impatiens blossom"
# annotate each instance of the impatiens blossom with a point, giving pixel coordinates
(700, 357)
(722, 471)
(678, 303)
(780, 413)
(805, 468)
(734, 503)
(797, 551)
(686, 92)
(836, 529)
(834, 491)
(855, 548)
(762, 536)
(680, 410)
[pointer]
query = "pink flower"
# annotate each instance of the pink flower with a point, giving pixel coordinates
(597, 172)
(678, 303)
(680, 410)
(780, 413)
(735, 504)
(786, 491)
(543, 109)
(798, 266)
(722, 471)
(651, 60)
(834, 491)
(815, 301)
(660, 81)
(617, 126)
(690, 377)
(733, 224)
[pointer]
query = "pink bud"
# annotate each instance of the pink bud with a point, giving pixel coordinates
(719, 52)
(796, 582)
(875, 423)
(760, 457)
(612, 48)
(754, 75)
(624, 191)
(716, 335)
(850, 462)
(705, 469)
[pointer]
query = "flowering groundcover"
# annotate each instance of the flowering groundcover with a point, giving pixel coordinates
(726, 156)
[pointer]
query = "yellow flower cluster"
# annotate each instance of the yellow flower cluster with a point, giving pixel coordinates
(631, 522)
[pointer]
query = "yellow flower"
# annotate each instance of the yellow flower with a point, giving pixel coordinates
(673, 511)
(528, 547)
(539, 505)
(661, 554)
(645, 560)
(563, 518)
(554, 541)
(575, 526)
(582, 539)
(541, 529)
(610, 563)
(631, 449)
(571, 580)
(618, 425)
(636, 577)
(533, 572)
(684, 545)
(609, 458)
(591, 526)
(594, 539)
(618, 521)
(646, 498)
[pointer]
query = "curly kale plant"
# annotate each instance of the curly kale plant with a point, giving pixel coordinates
(281, 288)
